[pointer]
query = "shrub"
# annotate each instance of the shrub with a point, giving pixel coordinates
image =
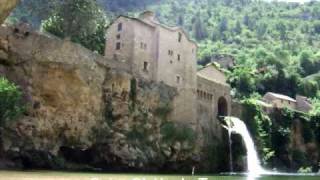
(10, 101)
(171, 132)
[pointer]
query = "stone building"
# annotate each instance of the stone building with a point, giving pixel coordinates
(158, 53)
(165, 54)
(213, 98)
(303, 103)
(279, 100)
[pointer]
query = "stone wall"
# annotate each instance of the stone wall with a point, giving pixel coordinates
(84, 110)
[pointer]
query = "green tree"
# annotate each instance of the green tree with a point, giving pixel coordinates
(308, 88)
(238, 28)
(10, 101)
(80, 20)
(306, 62)
(199, 29)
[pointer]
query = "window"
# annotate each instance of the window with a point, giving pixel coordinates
(120, 27)
(171, 62)
(118, 36)
(118, 46)
(143, 45)
(178, 79)
(170, 52)
(179, 57)
(145, 66)
(179, 36)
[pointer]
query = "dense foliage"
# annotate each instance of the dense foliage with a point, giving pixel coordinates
(80, 20)
(10, 101)
(274, 43)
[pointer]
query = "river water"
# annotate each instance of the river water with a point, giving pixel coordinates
(51, 175)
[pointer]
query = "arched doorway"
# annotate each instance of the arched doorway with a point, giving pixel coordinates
(222, 107)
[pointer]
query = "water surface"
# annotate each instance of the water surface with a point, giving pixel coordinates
(50, 175)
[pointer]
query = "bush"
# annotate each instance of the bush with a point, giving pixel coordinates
(171, 132)
(10, 101)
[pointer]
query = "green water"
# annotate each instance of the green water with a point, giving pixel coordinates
(48, 175)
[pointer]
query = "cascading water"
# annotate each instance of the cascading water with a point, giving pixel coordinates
(235, 125)
(230, 150)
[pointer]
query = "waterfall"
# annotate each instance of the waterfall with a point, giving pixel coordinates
(237, 126)
(230, 151)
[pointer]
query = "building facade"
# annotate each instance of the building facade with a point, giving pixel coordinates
(213, 100)
(158, 53)
(166, 54)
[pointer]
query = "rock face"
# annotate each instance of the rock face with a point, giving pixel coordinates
(84, 113)
(6, 7)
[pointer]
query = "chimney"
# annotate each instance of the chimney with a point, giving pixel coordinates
(148, 15)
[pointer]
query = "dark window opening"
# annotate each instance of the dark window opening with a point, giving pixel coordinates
(222, 107)
(145, 66)
(120, 27)
(118, 36)
(118, 46)
(179, 57)
(179, 37)
(178, 79)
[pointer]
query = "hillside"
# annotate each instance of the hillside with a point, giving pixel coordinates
(275, 44)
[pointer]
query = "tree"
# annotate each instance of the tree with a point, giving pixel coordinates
(199, 30)
(223, 25)
(238, 28)
(308, 88)
(80, 20)
(242, 79)
(261, 30)
(306, 62)
(10, 101)
(282, 29)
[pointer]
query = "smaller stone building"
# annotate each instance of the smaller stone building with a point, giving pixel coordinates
(279, 100)
(213, 99)
(301, 103)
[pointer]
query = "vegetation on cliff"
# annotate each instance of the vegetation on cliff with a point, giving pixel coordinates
(10, 101)
(274, 43)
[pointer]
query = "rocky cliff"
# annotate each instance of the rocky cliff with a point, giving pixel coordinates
(6, 7)
(82, 112)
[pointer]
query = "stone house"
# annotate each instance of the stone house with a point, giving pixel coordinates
(165, 54)
(301, 103)
(279, 100)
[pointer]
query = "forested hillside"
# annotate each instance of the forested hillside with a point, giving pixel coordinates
(275, 44)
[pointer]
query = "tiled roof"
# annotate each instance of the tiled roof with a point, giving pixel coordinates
(281, 96)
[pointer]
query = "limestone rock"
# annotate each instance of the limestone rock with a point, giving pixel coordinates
(6, 7)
